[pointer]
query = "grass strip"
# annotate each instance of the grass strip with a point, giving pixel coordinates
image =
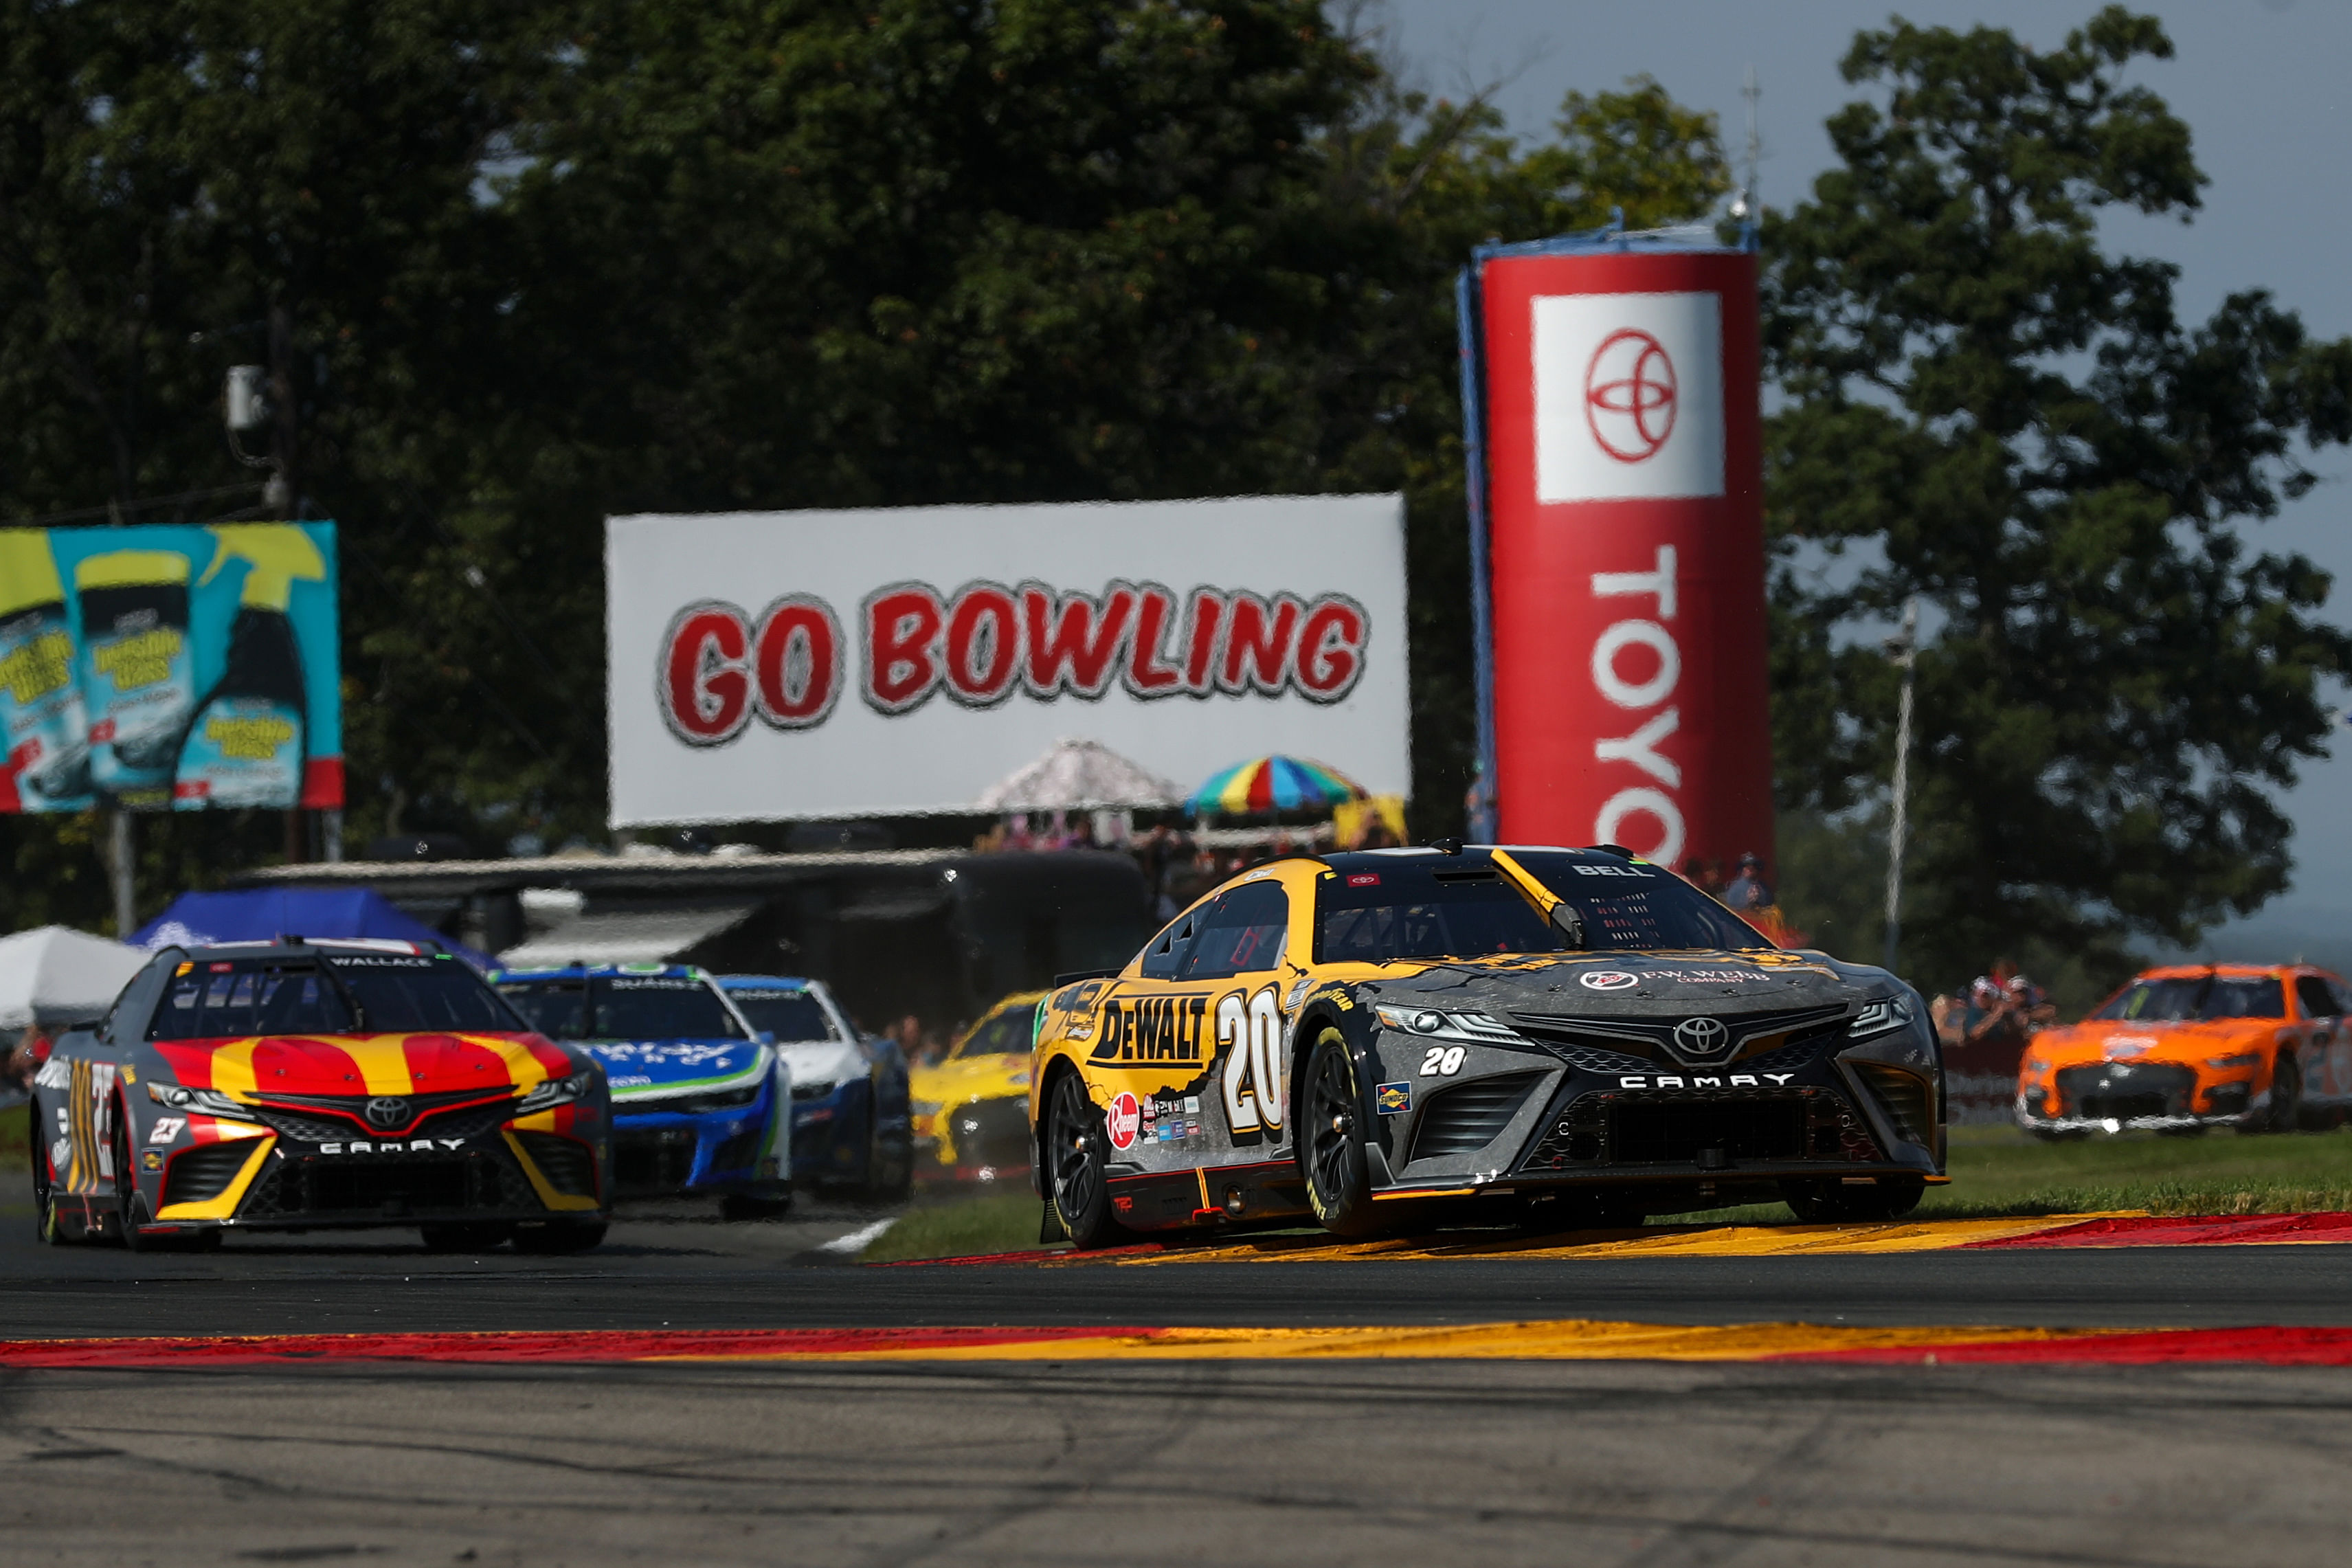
(961, 1228)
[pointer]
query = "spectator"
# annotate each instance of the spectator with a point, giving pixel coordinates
(1742, 894)
(25, 1057)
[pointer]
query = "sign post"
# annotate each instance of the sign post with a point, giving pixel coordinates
(1614, 398)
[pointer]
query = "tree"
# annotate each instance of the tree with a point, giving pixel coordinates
(2016, 427)
(520, 268)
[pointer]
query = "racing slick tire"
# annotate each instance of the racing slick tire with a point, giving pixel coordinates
(1828, 1202)
(1075, 1166)
(890, 1163)
(2286, 1100)
(45, 1202)
(462, 1236)
(130, 1209)
(737, 1208)
(1330, 1147)
(554, 1236)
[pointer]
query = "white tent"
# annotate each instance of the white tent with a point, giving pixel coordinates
(1079, 775)
(55, 975)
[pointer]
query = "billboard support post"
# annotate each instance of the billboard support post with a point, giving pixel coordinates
(123, 870)
(1614, 462)
(1481, 812)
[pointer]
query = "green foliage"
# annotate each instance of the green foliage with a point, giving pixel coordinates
(2016, 427)
(519, 267)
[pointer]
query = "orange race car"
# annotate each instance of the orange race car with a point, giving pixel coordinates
(2259, 1047)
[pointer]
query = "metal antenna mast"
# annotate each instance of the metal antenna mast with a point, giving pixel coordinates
(1746, 206)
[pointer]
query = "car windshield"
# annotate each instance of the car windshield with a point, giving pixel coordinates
(1006, 1035)
(1405, 909)
(787, 1014)
(364, 993)
(2192, 998)
(623, 1007)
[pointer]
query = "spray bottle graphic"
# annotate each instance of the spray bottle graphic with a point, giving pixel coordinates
(44, 740)
(136, 678)
(246, 745)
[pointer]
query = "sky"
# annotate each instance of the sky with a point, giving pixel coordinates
(2262, 86)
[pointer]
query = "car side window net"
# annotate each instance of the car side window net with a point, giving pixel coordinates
(228, 1001)
(1242, 932)
(1165, 953)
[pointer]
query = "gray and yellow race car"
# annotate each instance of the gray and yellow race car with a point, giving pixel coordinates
(318, 1085)
(1553, 1035)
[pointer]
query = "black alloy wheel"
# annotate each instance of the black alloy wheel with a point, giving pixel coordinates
(465, 1236)
(1829, 1200)
(1330, 1147)
(1074, 1139)
(553, 1237)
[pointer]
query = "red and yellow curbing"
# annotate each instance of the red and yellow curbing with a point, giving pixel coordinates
(1565, 1340)
(2119, 1228)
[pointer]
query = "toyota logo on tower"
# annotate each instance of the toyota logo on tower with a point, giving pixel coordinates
(1629, 396)
(1624, 563)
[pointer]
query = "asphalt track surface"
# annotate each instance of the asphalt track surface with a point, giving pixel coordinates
(1635, 1463)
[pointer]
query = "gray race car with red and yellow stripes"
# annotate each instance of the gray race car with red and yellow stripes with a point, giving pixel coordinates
(1542, 1034)
(302, 1085)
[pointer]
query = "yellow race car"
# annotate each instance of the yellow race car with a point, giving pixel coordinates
(969, 1110)
(1368, 1036)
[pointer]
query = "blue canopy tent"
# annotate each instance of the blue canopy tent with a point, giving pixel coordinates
(258, 914)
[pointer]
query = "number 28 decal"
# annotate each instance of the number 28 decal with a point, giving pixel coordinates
(1249, 1033)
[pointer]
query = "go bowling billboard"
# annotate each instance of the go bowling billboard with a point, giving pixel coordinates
(775, 666)
(1612, 387)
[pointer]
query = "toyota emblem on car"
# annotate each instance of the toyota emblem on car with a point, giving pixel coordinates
(1701, 1036)
(387, 1110)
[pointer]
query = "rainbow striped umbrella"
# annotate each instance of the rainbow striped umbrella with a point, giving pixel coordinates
(1273, 783)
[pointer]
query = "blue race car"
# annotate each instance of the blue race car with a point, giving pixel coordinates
(850, 1125)
(699, 1099)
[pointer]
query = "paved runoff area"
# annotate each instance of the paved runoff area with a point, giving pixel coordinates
(2096, 1390)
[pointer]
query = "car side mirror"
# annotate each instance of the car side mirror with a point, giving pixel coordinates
(767, 1036)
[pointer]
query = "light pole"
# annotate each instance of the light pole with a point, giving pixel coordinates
(1903, 650)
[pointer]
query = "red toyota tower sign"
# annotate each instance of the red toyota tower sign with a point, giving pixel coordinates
(1625, 550)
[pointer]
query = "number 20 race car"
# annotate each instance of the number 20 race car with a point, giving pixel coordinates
(318, 1085)
(1369, 1036)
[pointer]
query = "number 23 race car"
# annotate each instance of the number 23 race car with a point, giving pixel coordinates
(329, 1085)
(1554, 1037)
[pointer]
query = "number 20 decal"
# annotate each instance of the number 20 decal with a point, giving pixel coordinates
(1442, 1062)
(1250, 1034)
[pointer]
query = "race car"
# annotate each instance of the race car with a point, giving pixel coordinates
(849, 1094)
(700, 1105)
(1553, 1036)
(971, 1120)
(298, 1085)
(2259, 1047)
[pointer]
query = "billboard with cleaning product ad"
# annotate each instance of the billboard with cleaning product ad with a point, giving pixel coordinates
(170, 668)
